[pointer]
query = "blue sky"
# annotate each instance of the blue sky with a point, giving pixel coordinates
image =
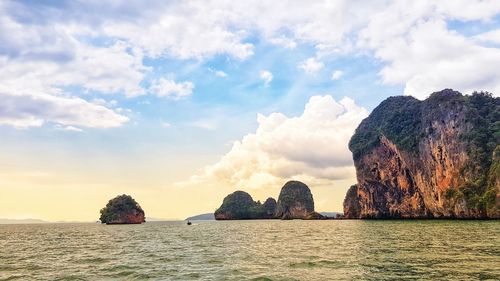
(163, 99)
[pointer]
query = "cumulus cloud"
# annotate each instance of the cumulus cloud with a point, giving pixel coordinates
(25, 110)
(52, 58)
(312, 146)
(67, 128)
(165, 125)
(337, 74)
(169, 88)
(266, 76)
(39, 63)
(422, 53)
(218, 73)
(489, 37)
(284, 41)
(206, 124)
(311, 65)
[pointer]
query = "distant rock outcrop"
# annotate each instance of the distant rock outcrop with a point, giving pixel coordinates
(269, 207)
(239, 205)
(437, 158)
(295, 202)
(331, 215)
(122, 209)
(207, 216)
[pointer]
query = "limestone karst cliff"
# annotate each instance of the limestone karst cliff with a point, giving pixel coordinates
(437, 158)
(295, 202)
(239, 205)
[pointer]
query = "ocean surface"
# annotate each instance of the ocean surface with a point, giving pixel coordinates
(253, 250)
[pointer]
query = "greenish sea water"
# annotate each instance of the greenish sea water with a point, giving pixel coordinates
(253, 250)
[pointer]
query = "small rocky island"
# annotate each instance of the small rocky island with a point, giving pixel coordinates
(122, 209)
(294, 202)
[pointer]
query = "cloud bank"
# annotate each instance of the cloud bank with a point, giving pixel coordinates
(311, 147)
(101, 46)
(24, 111)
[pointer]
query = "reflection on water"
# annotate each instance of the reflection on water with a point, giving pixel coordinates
(259, 250)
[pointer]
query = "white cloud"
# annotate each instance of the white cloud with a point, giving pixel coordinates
(39, 64)
(420, 51)
(45, 68)
(284, 41)
(311, 65)
(186, 30)
(266, 76)
(489, 37)
(165, 125)
(206, 124)
(33, 110)
(67, 128)
(169, 88)
(218, 73)
(337, 74)
(313, 146)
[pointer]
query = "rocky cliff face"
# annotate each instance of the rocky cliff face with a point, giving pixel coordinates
(427, 159)
(122, 209)
(295, 202)
(351, 201)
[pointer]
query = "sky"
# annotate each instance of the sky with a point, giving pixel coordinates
(179, 103)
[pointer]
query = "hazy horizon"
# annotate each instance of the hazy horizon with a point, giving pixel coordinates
(179, 103)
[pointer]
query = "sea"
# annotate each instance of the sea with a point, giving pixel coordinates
(253, 250)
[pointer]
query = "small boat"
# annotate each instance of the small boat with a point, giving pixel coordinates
(188, 223)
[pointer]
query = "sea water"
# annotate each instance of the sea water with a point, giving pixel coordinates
(253, 250)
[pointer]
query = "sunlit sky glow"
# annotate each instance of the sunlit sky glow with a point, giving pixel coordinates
(179, 103)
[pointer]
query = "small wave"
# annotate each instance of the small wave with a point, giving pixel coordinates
(321, 263)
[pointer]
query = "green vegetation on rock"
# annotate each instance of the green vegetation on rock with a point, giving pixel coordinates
(397, 118)
(295, 201)
(483, 145)
(240, 205)
(269, 207)
(122, 209)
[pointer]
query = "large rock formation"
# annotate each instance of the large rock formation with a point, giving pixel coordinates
(428, 159)
(295, 202)
(122, 209)
(239, 205)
